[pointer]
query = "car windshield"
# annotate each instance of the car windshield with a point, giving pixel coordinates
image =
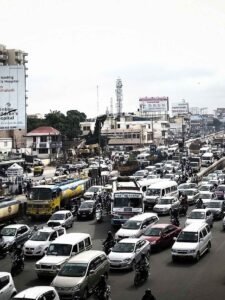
(38, 193)
(8, 231)
(59, 249)
(187, 237)
(221, 188)
(204, 188)
(197, 215)
(73, 270)
(165, 201)
(57, 217)
(86, 205)
(40, 236)
(124, 247)
(213, 204)
(188, 192)
(93, 189)
(139, 173)
(205, 196)
(153, 231)
(153, 192)
(132, 225)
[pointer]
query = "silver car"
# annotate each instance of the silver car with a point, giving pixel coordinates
(61, 218)
(127, 252)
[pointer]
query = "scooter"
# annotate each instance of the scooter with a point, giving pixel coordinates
(99, 215)
(17, 264)
(141, 275)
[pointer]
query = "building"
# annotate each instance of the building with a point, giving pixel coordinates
(45, 142)
(14, 57)
(153, 106)
(130, 131)
(180, 109)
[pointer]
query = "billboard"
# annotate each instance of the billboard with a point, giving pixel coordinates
(12, 97)
(154, 104)
(180, 108)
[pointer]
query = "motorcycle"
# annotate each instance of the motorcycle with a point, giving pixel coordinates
(99, 215)
(103, 295)
(17, 264)
(107, 247)
(175, 221)
(141, 275)
(183, 210)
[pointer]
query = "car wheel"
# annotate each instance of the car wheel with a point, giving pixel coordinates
(197, 258)
(209, 246)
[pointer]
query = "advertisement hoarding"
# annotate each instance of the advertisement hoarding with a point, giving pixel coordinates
(154, 104)
(12, 97)
(181, 109)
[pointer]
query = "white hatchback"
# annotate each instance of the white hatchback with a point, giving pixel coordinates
(200, 215)
(7, 287)
(38, 293)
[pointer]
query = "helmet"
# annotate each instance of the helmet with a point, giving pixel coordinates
(109, 232)
(148, 292)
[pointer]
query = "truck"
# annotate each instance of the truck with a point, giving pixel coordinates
(44, 200)
(9, 209)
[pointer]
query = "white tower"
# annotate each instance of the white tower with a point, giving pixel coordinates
(119, 96)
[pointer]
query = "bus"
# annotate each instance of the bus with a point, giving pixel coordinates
(127, 200)
(44, 200)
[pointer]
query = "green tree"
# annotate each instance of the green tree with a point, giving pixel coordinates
(33, 123)
(57, 120)
(72, 123)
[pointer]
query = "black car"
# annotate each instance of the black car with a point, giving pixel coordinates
(86, 210)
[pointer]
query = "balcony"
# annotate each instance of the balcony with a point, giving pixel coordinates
(3, 57)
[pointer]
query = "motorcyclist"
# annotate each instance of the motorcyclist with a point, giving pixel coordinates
(102, 285)
(175, 216)
(109, 242)
(148, 295)
(18, 253)
(143, 264)
(199, 203)
(184, 201)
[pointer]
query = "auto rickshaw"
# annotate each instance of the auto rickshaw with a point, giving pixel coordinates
(38, 170)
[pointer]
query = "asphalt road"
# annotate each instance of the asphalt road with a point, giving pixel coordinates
(183, 280)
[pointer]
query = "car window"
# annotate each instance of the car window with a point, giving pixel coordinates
(24, 229)
(103, 258)
(87, 242)
(92, 266)
(60, 232)
(81, 246)
(204, 232)
(53, 236)
(208, 228)
(19, 231)
(201, 235)
(4, 281)
(97, 262)
(75, 250)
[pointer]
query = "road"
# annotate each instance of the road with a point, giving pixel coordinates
(183, 280)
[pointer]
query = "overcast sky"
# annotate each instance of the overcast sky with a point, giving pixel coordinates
(171, 48)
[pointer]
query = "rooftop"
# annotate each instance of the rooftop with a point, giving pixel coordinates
(43, 130)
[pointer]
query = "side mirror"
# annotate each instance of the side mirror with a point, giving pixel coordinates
(91, 272)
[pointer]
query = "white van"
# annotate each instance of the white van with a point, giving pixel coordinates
(193, 241)
(60, 251)
(204, 150)
(158, 190)
(207, 159)
(143, 157)
(136, 226)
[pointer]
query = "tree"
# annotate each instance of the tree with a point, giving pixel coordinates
(33, 123)
(72, 123)
(57, 120)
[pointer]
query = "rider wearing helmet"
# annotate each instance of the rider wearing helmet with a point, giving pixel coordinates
(102, 285)
(148, 295)
(143, 263)
(109, 239)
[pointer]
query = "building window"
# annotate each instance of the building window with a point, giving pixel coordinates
(118, 125)
(138, 136)
(43, 151)
(43, 138)
(112, 126)
(127, 126)
(34, 139)
(5, 144)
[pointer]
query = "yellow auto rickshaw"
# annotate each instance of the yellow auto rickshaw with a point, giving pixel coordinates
(38, 170)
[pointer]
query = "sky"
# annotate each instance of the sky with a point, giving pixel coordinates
(78, 48)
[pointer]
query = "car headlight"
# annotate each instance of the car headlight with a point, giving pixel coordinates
(174, 250)
(37, 266)
(191, 251)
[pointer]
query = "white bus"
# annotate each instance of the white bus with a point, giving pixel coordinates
(158, 190)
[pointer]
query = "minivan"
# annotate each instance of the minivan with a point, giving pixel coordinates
(81, 274)
(60, 250)
(193, 241)
(136, 226)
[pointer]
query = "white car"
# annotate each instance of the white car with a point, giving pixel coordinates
(41, 239)
(61, 218)
(192, 195)
(136, 226)
(7, 287)
(200, 215)
(38, 293)
(206, 197)
(98, 189)
(166, 204)
(205, 187)
(127, 252)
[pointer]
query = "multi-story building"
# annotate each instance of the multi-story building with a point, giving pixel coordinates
(11, 57)
(180, 109)
(45, 142)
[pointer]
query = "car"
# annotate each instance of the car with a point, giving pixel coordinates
(206, 197)
(166, 204)
(140, 174)
(127, 252)
(81, 274)
(192, 195)
(86, 209)
(192, 242)
(39, 242)
(61, 218)
(220, 191)
(205, 187)
(188, 185)
(38, 293)
(135, 226)
(92, 190)
(7, 287)
(15, 234)
(217, 208)
(200, 215)
(161, 235)
(61, 171)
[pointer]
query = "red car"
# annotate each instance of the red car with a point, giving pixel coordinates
(161, 235)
